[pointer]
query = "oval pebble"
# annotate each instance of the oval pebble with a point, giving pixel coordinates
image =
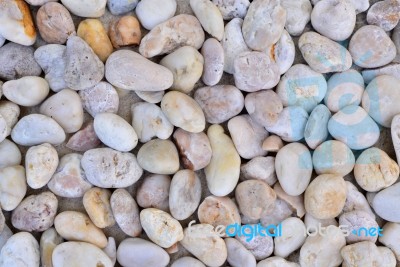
(40, 163)
(259, 168)
(153, 192)
(48, 242)
(264, 107)
(86, 8)
(238, 255)
(16, 92)
(209, 16)
(298, 14)
(218, 211)
(125, 31)
(150, 13)
(384, 203)
(316, 131)
(390, 236)
(151, 97)
(10, 113)
(213, 54)
(356, 220)
(292, 237)
(384, 14)
(10, 154)
(118, 7)
(260, 246)
(12, 187)
(21, 249)
(97, 205)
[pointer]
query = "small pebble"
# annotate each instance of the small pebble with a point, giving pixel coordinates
(97, 205)
(125, 31)
(49, 240)
(232, 9)
(151, 97)
(101, 98)
(298, 14)
(272, 143)
(10, 154)
(238, 255)
(153, 192)
(40, 163)
(21, 249)
(16, 92)
(260, 168)
(12, 187)
(316, 131)
(384, 14)
(356, 220)
(5, 235)
(209, 16)
(213, 54)
(111, 250)
(389, 237)
(150, 13)
(218, 211)
(292, 237)
(119, 7)
(367, 254)
(84, 139)
(385, 203)
(264, 107)
(86, 8)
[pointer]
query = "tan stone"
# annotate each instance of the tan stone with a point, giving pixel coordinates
(125, 31)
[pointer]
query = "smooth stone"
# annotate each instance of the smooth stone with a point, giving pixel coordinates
(148, 76)
(159, 156)
(292, 237)
(238, 255)
(51, 59)
(259, 168)
(375, 170)
(65, 107)
(344, 89)
(325, 196)
(272, 143)
(333, 157)
(264, 107)
(27, 91)
(111, 250)
(316, 131)
(79, 253)
(80, 58)
(149, 121)
(125, 31)
(151, 97)
(384, 14)
(97, 205)
(371, 47)
(35, 213)
(17, 61)
(353, 126)
(353, 221)
(356, 201)
(187, 261)
(283, 52)
(219, 102)
(276, 262)
(205, 245)
(10, 154)
(38, 2)
(324, 55)
(40, 163)
(178, 31)
(16, 22)
(263, 24)
(136, 252)
(390, 235)
(302, 86)
(49, 240)
(186, 65)
(126, 212)
(232, 9)
(10, 113)
(260, 246)
(395, 134)
(86, 8)
(183, 111)
(161, 227)
(185, 189)
(290, 124)
(222, 174)
(5, 235)
(145, 196)
(3, 128)
(248, 136)
(380, 99)
(213, 54)
(55, 23)
(384, 203)
(218, 211)
(194, 149)
(108, 168)
(150, 13)
(233, 43)
(209, 16)
(12, 187)
(118, 7)
(366, 253)
(101, 98)
(21, 249)
(392, 69)
(298, 14)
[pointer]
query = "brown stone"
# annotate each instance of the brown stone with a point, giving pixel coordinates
(125, 31)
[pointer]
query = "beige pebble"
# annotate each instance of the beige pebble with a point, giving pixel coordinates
(16, 91)
(238, 255)
(125, 31)
(21, 249)
(292, 237)
(218, 211)
(283, 52)
(48, 242)
(40, 163)
(353, 221)
(187, 261)
(213, 54)
(366, 253)
(272, 143)
(264, 107)
(151, 97)
(10, 113)
(97, 205)
(111, 250)
(209, 16)
(384, 14)
(86, 8)
(259, 168)
(153, 192)
(12, 187)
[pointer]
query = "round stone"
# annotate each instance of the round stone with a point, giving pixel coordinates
(40, 163)
(154, 183)
(16, 92)
(97, 205)
(150, 13)
(316, 130)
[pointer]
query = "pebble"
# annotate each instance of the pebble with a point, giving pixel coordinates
(209, 16)
(295, 203)
(194, 149)
(260, 246)
(272, 143)
(353, 126)
(294, 178)
(38, 2)
(12, 187)
(35, 213)
(276, 262)
(51, 59)
(264, 107)
(344, 89)
(218, 211)
(334, 19)
(49, 240)
(232, 9)
(4, 236)
(395, 134)
(316, 131)
(118, 7)
(254, 71)
(356, 201)
(389, 237)
(384, 14)
(111, 250)
(353, 221)
(380, 99)
(238, 255)
(97, 205)
(259, 168)
(371, 47)
(222, 174)
(16, 22)
(148, 76)
(178, 31)
(333, 157)
(187, 261)
(86, 8)
(126, 212)
(292, 237)
(324, 55)
(186, 65)
(283, 52)
(21, 249)
(101, 98)
(125, 31)
(151, 97)
(94, 34)
(10, 154)
(233, 43)
(325, 196)
(248, 136)
(149, 121)
(65, 107)
(392, 69)
(185, 189)
(40, 163)
(384, 203)
(69, 179)
(367, 254)
(213, 54)
(133, 252)
(108, 168)
(263, 24)
(161, 227)
(55, 23)
(205, 244)
(298, 14)
(17, 61)
(16, 92)
(153, 192)
(302, 86)
(10, 113)
(150, 13)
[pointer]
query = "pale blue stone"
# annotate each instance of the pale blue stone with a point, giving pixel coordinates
(316, 130)
(119, 7)
(386, 203)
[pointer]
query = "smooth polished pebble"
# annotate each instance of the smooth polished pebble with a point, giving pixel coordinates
(214, 57)
(209, 16)
(238, 255)
(264, 107)
(21, 249)
(40, 163)
(272, 143)
(259, 168)
(97, 205)
(49, 240)
(298, 14)
(145, 194)
(384, 14)
(366, 253)
(260, 246)
(390, 236)
(276, 261)
(352, 221)
(316, 131)
(151, 97)
(292, 238)
(10, 154)
(16, 90)
(125, 31)
(150, 13)
(384, 203)
(86, 8)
